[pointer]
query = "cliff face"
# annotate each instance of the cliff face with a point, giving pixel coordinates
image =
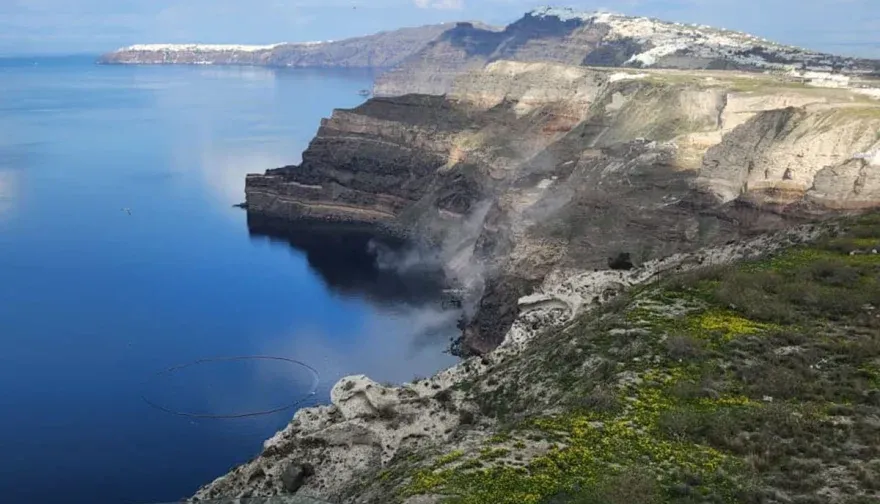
(547, 184)
(525, 170)
(819, 152)
(548, 188)
(600, 39)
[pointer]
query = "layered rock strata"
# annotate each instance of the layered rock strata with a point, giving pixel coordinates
(527, 178)
(526, 168)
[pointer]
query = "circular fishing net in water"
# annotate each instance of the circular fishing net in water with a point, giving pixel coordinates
(231, 387)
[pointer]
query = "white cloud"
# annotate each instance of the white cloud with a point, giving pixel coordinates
(440, 4)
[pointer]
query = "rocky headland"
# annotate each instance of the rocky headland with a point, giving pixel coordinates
(381, 50)
(526, 169)
(669, 264)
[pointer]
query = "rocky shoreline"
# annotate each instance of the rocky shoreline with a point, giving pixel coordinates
(366, 425)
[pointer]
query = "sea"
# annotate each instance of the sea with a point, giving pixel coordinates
(152, 336)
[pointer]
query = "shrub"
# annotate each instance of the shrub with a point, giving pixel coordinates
(386, 412)
(696, 277)
(867, 231)
(826, 301)
(466, 417)
(686, 390)
(684, 346)
(754, 295)
(834, 273)
(601, 400)
(775, 380)
(869, 475)
(631, 486)
(683, 423)
(617, 303)
(861, 239)
(621, 261)
(604, 371)
(444, 396)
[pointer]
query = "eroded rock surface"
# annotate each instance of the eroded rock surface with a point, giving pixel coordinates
(524, 168)
(368, 426)
(321, 450)
(527, 176)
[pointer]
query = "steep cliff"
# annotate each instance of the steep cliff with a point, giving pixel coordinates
(595, 219)
(524, 169)
(600, 39)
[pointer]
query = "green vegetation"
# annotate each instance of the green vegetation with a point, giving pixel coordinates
(450, 457)
(758, 382)
(735, 82)
(865, 111)
(764, 84)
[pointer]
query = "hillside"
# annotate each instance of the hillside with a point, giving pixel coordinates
(756, 382)
(602, 39)
(751, 381)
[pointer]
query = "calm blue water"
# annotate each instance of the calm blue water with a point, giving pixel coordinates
(94, 301)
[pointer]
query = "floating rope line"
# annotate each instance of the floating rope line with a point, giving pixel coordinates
(174, 369)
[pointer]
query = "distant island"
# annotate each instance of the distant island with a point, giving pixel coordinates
(381, 50)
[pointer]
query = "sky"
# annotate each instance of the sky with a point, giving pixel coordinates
(94, 26)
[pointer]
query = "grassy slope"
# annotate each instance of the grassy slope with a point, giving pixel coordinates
(754, 383)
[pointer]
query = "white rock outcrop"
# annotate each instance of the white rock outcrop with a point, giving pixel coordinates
(359, 396)
(697, 41)
(199, 48)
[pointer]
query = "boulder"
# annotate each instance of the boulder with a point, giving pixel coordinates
(358, 396)
(294, 476)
